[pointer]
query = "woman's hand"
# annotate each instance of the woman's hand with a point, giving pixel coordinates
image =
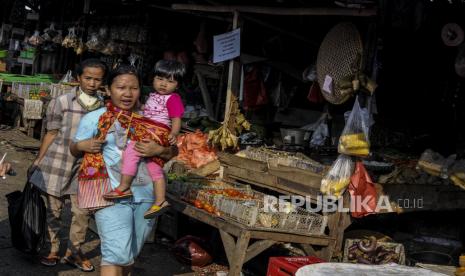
(149, 148)
(91, 145)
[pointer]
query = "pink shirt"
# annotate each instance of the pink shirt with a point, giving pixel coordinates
(161, 108)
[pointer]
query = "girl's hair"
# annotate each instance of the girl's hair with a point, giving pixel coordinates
(91, 62)
(170, 69)
(123, 69)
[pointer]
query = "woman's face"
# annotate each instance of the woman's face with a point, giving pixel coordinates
(125, 91)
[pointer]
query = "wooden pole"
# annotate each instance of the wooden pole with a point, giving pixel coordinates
(277, 11)
(233, 77)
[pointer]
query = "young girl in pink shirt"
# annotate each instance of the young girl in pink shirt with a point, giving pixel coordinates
(163, 106)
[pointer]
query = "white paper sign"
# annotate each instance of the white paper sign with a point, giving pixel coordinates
(328, 84)
(227, 46)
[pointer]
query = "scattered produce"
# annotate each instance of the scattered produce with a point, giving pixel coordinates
(194, 150)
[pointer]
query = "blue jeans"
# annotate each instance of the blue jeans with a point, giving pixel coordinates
(123, 231)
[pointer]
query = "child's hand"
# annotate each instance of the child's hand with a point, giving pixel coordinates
(172, 139)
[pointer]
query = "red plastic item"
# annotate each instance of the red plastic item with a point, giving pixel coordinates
(287, 266)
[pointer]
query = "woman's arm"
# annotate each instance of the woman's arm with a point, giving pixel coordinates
(149, 148)
(91, 145)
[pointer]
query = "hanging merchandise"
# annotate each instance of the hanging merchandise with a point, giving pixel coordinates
(94, 44)
(337, 179)
(80, 48)
(58, 39)
(314, 94)
(354, 139)
(452, 34)
(460, 62)
(109, 49)
(255, 94)
(233, 125)
(339, 64)
(103, 33)
(201, 40)
(362, 189)
(49, 32)
(321, 132)
(142, 35)
(35, 39)
(71, 40)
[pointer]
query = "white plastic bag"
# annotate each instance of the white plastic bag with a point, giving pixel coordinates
(35, 39)
(354, 139)
(337, 178)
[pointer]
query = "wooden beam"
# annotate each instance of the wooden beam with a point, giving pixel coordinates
(229, 245)
(205, 95)
(276, 10)
(209, 16)
(257, 248)
(279, 30)
(239, 254)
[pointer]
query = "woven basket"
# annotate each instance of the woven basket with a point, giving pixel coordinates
(340, 55)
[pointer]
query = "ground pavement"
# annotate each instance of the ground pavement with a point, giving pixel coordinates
(155, 258)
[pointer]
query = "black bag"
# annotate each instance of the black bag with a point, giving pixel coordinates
(26, 212)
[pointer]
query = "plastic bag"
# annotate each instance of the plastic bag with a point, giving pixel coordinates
(362, 186)
(58, 39)
(35, 39)
(68, 77)
(337, 178)
(93, 44)
(320, 131)
(192, 250)
(71, 40)
(354, 139)
(26, 212)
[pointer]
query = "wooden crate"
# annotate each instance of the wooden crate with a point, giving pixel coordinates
(283, 179)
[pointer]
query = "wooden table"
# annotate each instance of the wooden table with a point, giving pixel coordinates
(240, 250)
(289, 181)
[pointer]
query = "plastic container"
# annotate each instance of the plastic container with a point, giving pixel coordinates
(285, 266)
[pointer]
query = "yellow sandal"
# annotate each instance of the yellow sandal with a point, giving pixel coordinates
(157, 210)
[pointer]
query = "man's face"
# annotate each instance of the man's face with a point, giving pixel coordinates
(91, 79)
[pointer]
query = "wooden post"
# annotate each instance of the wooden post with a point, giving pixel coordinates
(205, 95)
(234, 76)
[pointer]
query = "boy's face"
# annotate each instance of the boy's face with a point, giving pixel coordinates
(164, 85)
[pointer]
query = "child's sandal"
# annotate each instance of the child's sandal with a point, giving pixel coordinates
(117, 194)
(157, 210)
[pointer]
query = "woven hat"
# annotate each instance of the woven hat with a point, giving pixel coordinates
(340, 55)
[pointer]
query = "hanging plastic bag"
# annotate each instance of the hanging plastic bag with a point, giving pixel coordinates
(192, 250)
(58, 39)
(337, 178)
(362, 188)
(67, 78)
(354, 139)
(26, 213)
(35, 39)
(71, 40)
(320, 131)
(94, 44)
